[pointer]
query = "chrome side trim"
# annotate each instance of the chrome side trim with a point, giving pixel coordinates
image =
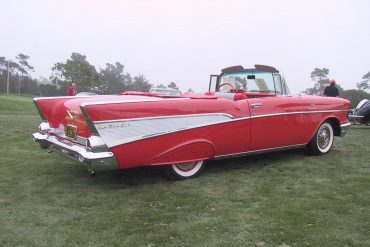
(344, 129)
(120, 132)
(121, 142)
(131, 101)
(62, 97)
(285, 113)
(261, 151)
(165, 117)
(298, 112)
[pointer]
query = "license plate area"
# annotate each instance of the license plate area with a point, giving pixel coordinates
(71, 131)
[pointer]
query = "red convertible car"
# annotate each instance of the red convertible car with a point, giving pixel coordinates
(246, 111)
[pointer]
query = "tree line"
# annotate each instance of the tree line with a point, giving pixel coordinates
(320, 76)
(15, 77)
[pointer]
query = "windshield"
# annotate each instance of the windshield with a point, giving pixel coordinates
(248, 81)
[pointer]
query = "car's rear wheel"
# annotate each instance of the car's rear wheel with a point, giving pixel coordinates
(184, 170)
(322, 141)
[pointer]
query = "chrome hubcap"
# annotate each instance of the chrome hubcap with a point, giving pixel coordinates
(185, 167)
(324, 137)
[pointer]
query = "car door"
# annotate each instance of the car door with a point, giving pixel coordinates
(276, 122)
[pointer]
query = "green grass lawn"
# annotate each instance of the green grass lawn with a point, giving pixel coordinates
(279, 199)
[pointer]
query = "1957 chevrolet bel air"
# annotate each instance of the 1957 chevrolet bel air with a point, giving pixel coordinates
(246, 111)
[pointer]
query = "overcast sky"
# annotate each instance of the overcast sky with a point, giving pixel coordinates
(185, 41)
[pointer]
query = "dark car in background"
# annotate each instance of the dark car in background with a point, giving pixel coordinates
(361, 114)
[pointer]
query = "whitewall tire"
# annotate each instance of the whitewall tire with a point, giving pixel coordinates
(184, 170)
(322, 141)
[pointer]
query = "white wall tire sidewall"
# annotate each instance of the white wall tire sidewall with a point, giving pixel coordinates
(327, 149)
(190, 173)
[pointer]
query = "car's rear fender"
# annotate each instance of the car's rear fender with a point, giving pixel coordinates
(57, 114)
(193, 150)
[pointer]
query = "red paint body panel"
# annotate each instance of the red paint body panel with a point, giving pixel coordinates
(166, 108)
(280, 130)
(222, 139)
(251, 124)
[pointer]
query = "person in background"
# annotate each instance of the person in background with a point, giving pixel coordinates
(72, 89)
(331, 90)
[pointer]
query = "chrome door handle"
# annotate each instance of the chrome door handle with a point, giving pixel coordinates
(255, 105)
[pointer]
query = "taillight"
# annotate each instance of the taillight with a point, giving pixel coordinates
(44, 127)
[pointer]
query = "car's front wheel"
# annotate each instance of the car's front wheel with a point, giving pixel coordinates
(322, 141)
(184, 170)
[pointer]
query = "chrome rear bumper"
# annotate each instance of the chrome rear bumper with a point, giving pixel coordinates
(75, 151)
(344, 129)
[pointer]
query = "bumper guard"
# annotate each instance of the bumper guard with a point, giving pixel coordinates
(344, 129)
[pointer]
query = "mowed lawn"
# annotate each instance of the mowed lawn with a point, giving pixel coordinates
(279, 199)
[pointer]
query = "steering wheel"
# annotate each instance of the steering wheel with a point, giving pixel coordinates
(224, 84)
